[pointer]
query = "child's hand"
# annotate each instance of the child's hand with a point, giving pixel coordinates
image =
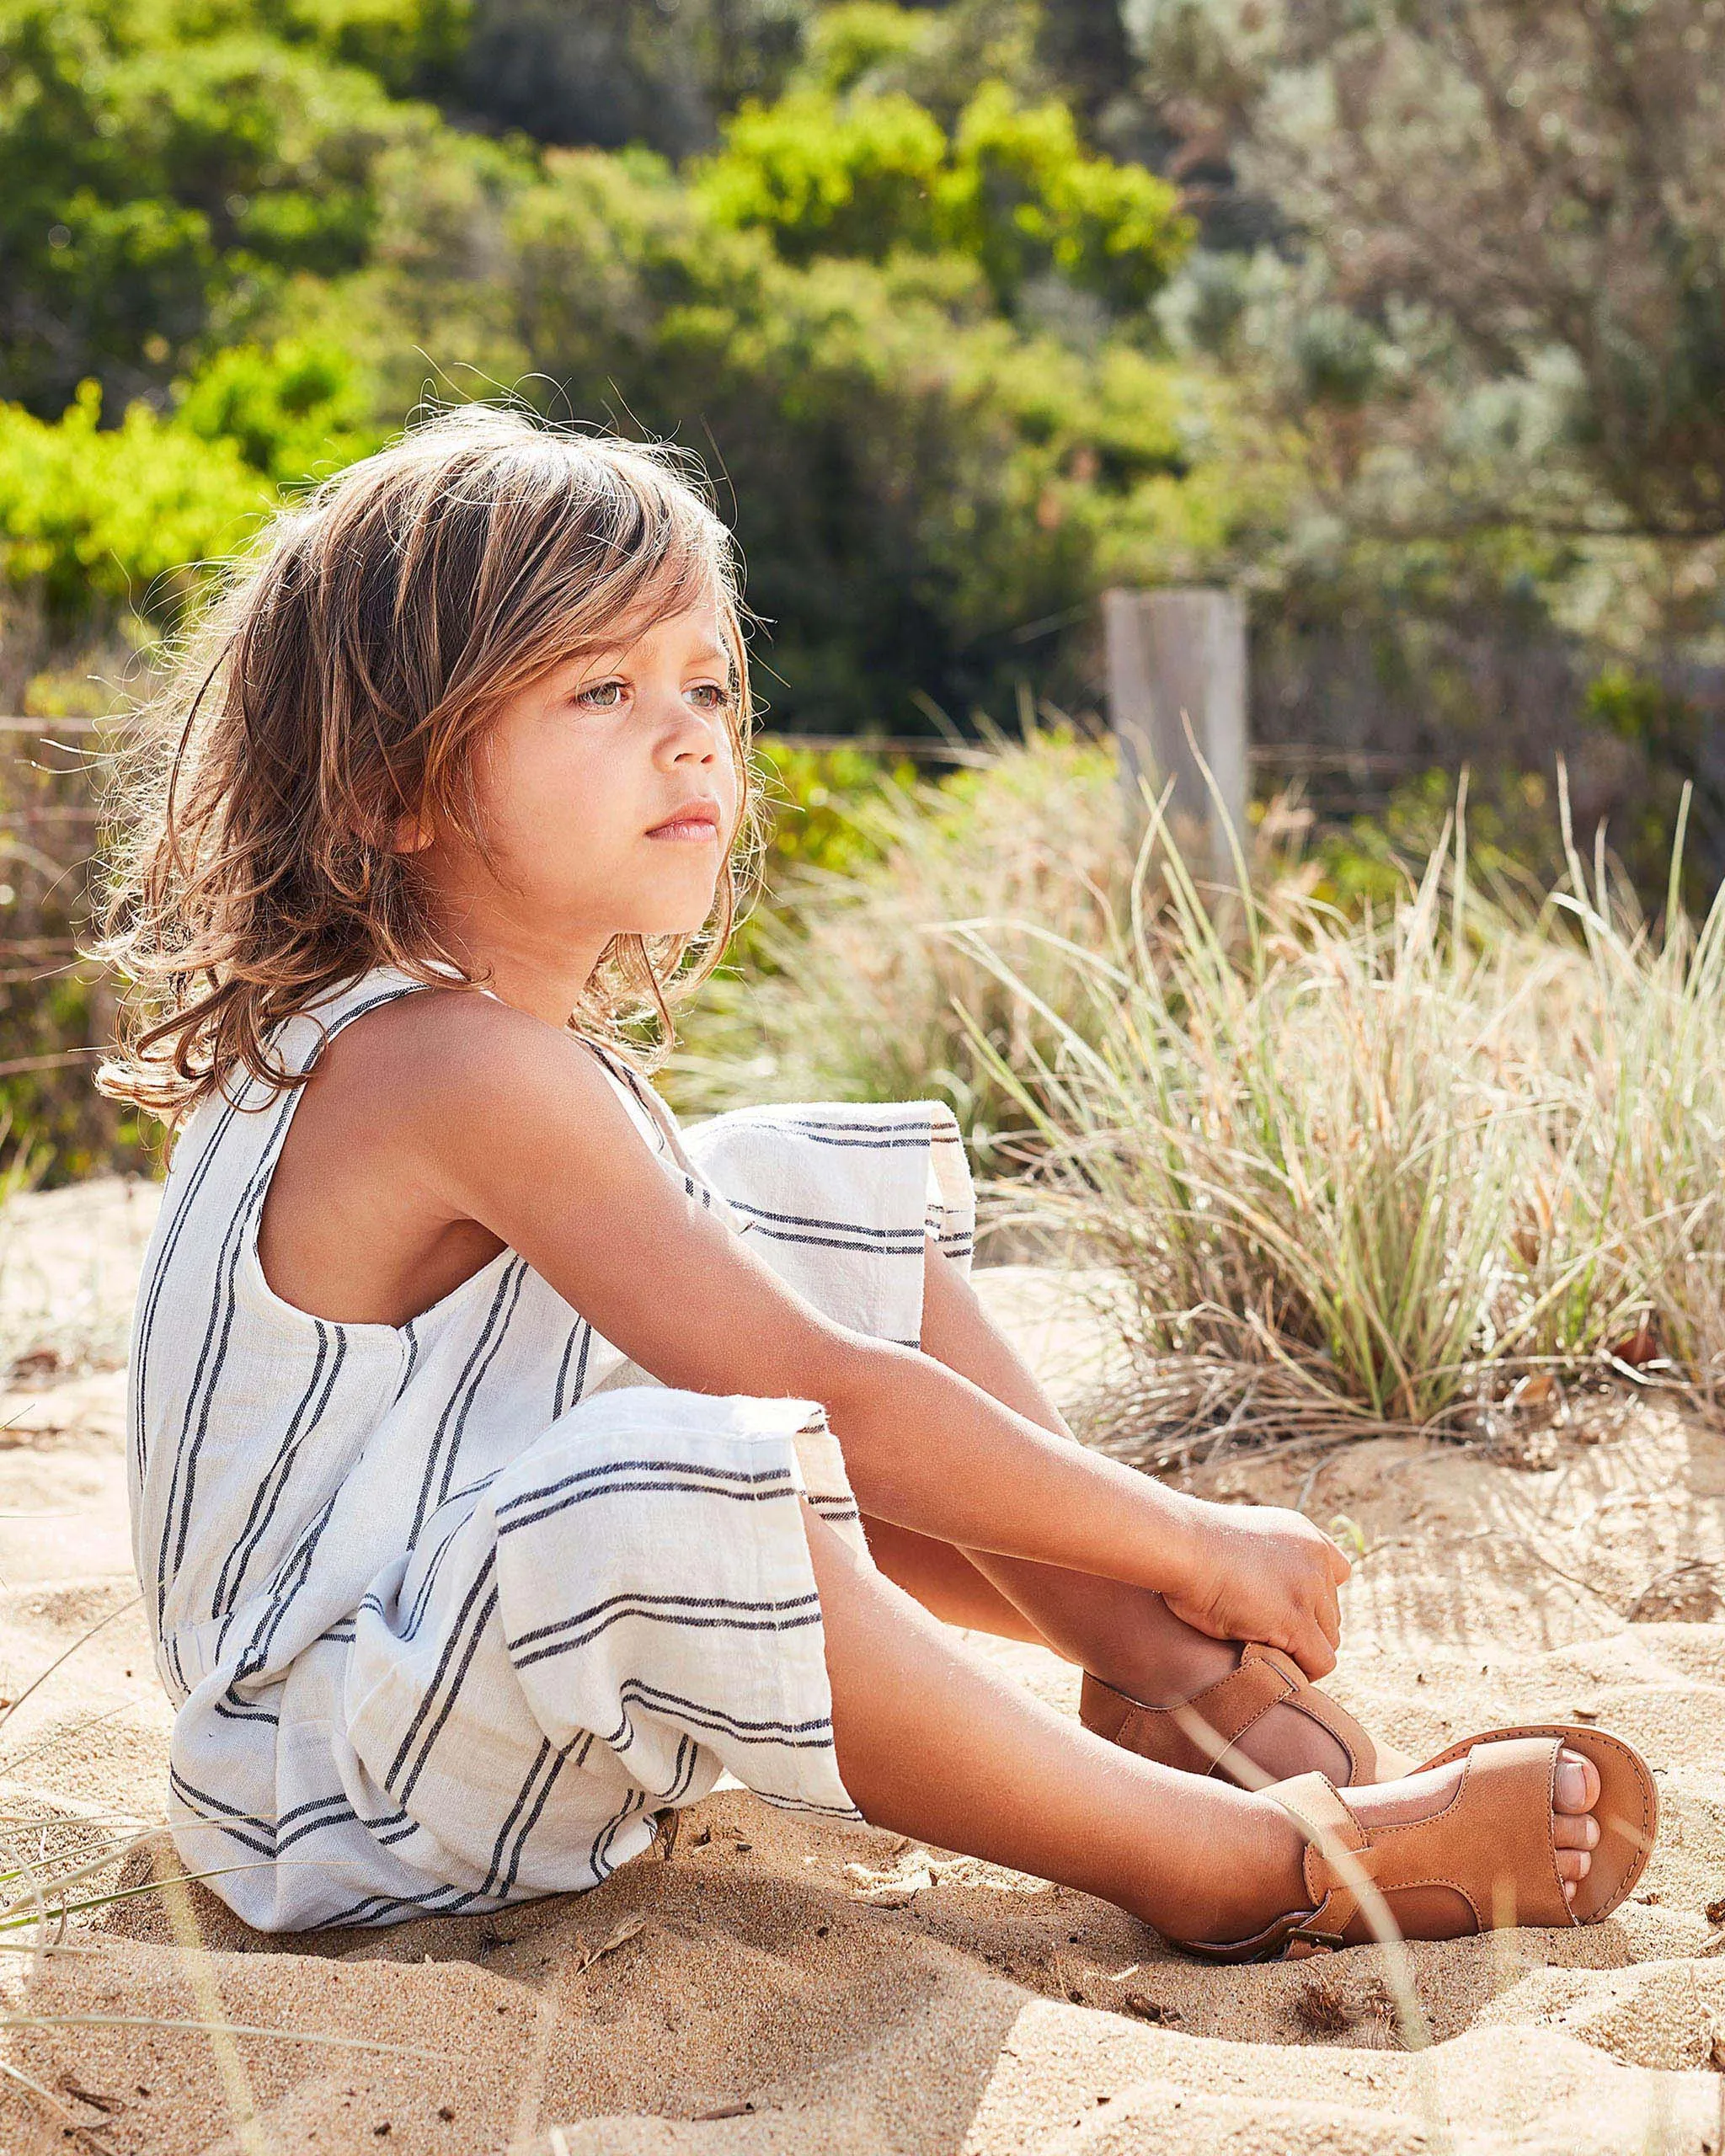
(1259, 1572)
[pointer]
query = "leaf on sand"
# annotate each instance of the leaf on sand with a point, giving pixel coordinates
(621, 1937)
(1637, 1349)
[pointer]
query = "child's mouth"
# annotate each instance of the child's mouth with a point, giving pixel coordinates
(696, 819)
(695, 828)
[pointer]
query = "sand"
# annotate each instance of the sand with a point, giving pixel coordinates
(775, 1985)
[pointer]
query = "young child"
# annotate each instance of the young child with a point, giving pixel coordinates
(505, 1461)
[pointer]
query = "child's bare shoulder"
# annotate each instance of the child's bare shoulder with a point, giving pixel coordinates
(444, 1076)
(434, 1130)
(433, 1047)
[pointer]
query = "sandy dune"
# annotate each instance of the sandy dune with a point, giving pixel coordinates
(777, 1986)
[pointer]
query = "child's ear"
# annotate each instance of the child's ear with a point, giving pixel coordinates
(411, 833)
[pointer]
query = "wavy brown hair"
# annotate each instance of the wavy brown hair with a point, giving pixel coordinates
(341, 676)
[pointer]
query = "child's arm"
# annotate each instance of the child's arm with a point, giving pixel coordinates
(514, 1125)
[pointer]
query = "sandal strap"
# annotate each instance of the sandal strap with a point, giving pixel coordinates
(1491, 1843)
(1627, 1812)
(1328, 1823)
(1196, 1737)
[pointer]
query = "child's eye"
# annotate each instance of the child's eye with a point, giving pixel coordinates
(717, 690)
(598, 689)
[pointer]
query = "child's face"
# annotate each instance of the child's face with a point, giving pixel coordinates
(578, 776)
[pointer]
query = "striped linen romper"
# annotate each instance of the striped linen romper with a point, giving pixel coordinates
(449, 1611)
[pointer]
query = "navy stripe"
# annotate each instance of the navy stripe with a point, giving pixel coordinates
(413, 1341)
(795, 1735)
(213, 1812)
(256, 1654)
(688, 1753)
(645, 1466)
(635, 1801)
(805, 1804)
(266, 1165)
(866, 1145)
(833, 1227)
(560, 1759)
(675, 1601)
(434, 1457)
(170, 1243)
(483, 1580)
(867, 1116)
(679, 1623)
(376, 1909)
(634, 1607)
(237, 1711)
(488, 1610)
(540, 1758)
(422, 1600)
(662, 1487)
(266, 1497)
(519, 1271)
(579, 1327)
(834, 1242)
(184, 1457)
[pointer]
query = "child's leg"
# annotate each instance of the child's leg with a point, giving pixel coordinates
(1123, 1633)
(931, 1742)
(945, 1582)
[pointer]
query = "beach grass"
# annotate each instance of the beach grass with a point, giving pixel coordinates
(1332, 1171)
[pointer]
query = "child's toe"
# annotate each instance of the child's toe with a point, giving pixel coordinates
(1578, 1783)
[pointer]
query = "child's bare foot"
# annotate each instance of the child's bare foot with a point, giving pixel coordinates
(1432, 1909)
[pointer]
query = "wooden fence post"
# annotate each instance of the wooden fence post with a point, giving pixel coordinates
(1174, 656)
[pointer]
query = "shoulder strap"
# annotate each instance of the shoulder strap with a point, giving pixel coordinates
(651, 1101)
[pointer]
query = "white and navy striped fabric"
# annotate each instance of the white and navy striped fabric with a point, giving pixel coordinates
(452, 1610)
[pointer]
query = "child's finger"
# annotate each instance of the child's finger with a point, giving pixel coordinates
(1316, 1654)
(1340, 1564)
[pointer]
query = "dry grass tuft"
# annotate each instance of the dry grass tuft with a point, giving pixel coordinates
(1344, 1177)
(1324, 2007)
(1331, 2004)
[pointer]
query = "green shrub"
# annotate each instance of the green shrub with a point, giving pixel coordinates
(157, 187)
(826, 177)
(126, 514)
(1014, 190)
(293, 412)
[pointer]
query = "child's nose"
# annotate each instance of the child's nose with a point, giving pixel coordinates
(690, 733)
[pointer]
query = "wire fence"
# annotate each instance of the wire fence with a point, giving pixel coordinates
(57, 1008)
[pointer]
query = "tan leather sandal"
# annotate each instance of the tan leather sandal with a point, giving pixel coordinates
(1199, 1736)
(1485, 1861)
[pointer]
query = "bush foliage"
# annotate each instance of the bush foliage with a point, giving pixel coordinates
(1410, 327)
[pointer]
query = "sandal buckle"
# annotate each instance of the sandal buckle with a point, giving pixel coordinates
(1307, 1939)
